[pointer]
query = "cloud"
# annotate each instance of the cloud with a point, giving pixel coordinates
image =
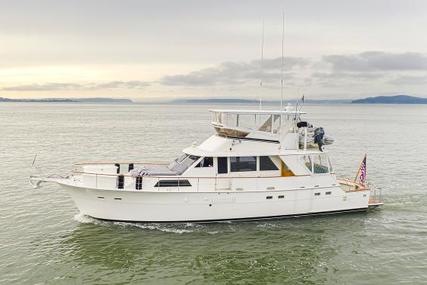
(409, 80)
(78, 86)
(372, 61)
(229, 73)
(346, 75)
(368, 70)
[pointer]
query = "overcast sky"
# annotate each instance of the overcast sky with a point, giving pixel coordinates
(150, 50)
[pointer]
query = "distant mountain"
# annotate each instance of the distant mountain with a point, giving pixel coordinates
(247, 101)
(104, 100)
(68, 100)
(53, 100)
(398, 99)
(214, 101)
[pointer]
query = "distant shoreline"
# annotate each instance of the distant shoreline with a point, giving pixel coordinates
(69, 100)
(398, 99)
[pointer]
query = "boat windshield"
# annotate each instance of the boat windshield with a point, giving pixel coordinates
(182, 163)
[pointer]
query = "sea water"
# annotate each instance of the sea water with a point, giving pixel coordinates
(44, 240)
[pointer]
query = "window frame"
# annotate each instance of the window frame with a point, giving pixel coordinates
(171, 183)
(238, 163)
(270, 160)
(202, 160)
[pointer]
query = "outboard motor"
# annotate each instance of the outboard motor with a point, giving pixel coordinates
(319, 133)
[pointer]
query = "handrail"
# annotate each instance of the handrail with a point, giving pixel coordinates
(120, 162)
(348, 182)
(186, 177)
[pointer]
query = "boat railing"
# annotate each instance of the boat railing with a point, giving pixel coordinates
(376, 197)
(110, 181)
(120, 162)
(351, 186)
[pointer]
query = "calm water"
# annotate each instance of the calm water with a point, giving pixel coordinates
(44, 240)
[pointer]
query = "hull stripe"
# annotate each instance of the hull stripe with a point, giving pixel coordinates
(247, 219)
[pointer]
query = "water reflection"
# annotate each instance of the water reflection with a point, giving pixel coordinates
(275, 251)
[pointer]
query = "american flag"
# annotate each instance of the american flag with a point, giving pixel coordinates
(361, 175)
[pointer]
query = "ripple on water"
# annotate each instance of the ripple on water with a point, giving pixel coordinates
(40, 242)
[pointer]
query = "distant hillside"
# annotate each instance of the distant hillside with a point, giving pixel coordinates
(248, 101)
(399, 99)
(68, 100)
(53, 100)
(104, 100)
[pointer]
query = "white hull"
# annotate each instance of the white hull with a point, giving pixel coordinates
(263, 173)
(148, 206)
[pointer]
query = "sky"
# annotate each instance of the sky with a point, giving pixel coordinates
(162, 50)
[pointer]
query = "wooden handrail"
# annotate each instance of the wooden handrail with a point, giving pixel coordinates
(348, 182)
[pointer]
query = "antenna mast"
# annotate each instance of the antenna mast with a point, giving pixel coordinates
(283, 62)
(261, 64)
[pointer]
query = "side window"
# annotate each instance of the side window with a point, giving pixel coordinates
(320, 164)
(286, 171)
(173, 183)
(242, 163)
(307, 162)
(222, 165)
(206, 162)
(265, 163)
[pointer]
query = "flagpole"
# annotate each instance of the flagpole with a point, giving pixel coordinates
(360, 167)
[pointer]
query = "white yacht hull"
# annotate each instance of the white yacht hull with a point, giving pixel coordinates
(209, 206)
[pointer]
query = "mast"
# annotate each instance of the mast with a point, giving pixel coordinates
(261, 65)
(283, 61)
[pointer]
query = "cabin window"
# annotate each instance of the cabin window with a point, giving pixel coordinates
(320, 164)
(265, 163)
(242, 163)
(117, 167)
(120, 182)
(269, 197)
(286, 171)
(138, 183)
(317, 194)
(222, 165)
(173, 183)
(307, 162)
(205, 162)
(281, 196)
(182, 163)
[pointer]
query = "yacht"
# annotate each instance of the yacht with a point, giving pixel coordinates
(259, 164)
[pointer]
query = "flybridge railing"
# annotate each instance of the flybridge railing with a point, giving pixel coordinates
(269, 123)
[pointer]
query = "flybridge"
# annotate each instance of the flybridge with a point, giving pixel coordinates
(257, 124)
